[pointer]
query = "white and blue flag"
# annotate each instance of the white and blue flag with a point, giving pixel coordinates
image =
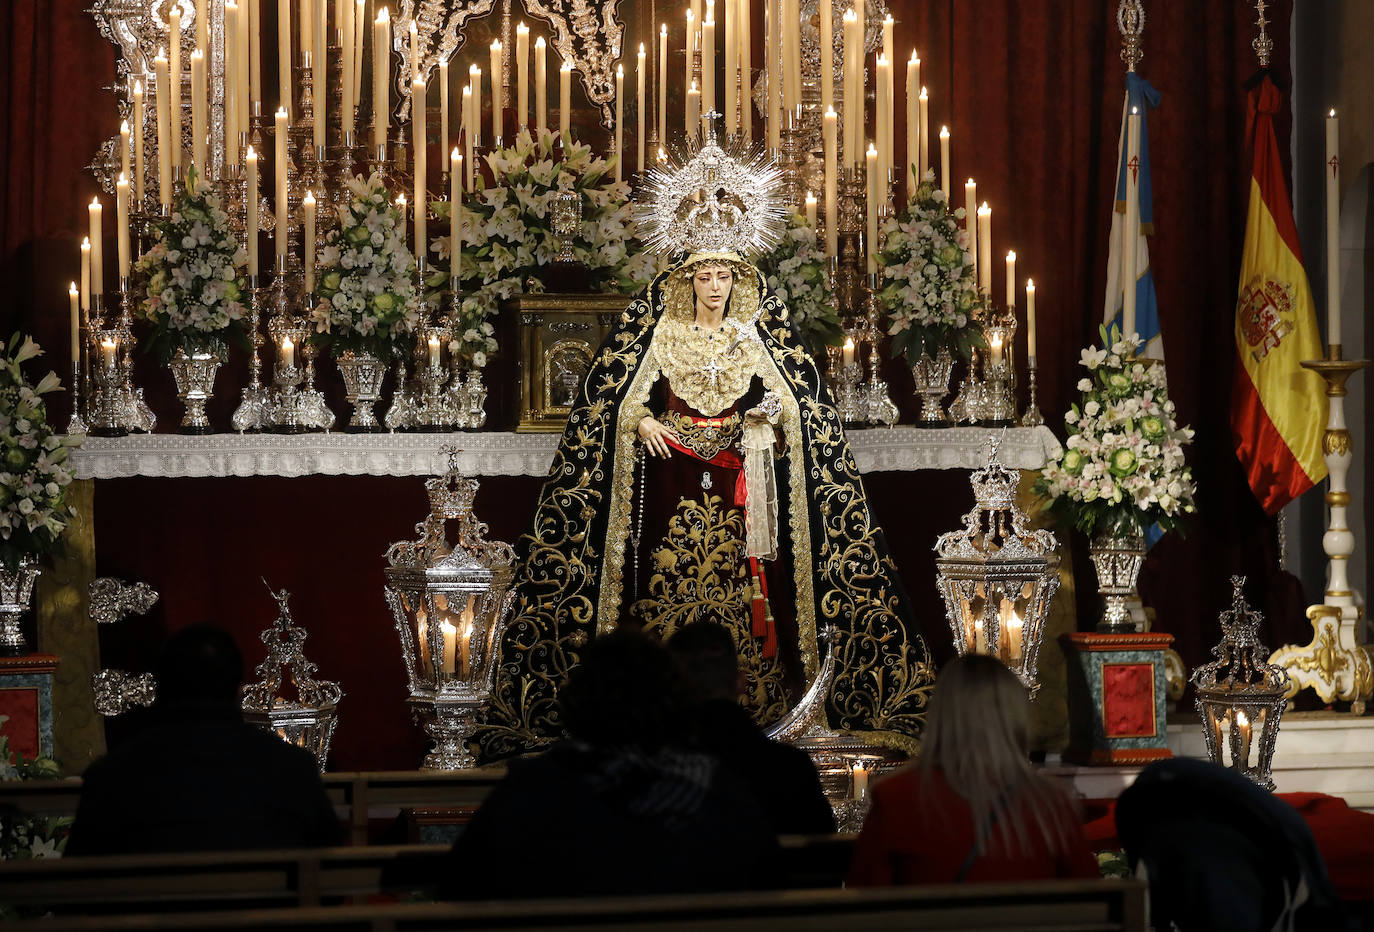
(1141, 95)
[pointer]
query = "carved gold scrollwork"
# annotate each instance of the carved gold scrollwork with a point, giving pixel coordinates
(1332, 665)
(1336, 442)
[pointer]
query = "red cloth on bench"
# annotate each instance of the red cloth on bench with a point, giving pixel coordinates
(1344, 836)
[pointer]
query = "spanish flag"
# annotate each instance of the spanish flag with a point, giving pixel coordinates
(1278, 408)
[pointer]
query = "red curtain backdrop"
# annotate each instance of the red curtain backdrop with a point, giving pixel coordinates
(1032, 94)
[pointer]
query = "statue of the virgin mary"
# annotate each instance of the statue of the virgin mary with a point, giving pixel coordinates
(704, 474)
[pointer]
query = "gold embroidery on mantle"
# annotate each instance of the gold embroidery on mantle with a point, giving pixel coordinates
(700, 573)
(705, 438)
(701, 366)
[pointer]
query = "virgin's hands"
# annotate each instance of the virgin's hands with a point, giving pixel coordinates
(655, 437)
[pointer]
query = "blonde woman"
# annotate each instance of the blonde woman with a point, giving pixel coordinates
(972, 808)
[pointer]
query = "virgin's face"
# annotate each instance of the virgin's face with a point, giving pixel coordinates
(712, 285)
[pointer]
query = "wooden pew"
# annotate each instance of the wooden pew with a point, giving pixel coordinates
(1071, 906)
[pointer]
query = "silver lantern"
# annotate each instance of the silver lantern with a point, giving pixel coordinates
(450, 600)
(308, 720)
(1240, 696)
(998, 578)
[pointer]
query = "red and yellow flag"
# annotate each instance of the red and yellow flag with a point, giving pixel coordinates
(1278, 408)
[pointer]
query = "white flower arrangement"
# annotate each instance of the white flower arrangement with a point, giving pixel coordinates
(33, 462)
(194, 291)
(1122, 469)
(507, 232)
(367, 297)
(929, 287)
(796, 271)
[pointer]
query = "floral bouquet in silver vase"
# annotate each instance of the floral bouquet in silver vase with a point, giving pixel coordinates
(33, 481)
(194, 294)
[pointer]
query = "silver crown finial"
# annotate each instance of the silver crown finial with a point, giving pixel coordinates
(1130, 19)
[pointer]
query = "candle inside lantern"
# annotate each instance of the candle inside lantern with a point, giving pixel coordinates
(107, 353)
(288, 353)
(465, 643)
(847, 353)
(422, 638)
(434, 350)
(859, 773)
(995, 347)
(449, 662)
(980, 638)
(1015, 637)
(1244, 728)
(811, 210)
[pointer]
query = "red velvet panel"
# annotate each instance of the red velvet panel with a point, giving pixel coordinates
(1128, 700)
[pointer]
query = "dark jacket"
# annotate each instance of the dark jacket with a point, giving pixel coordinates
(781, 778)
(584, 821)
(202, 781)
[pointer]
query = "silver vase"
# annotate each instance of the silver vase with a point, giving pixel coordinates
(362, 376)
(932, 384)
(1117, 558)
(474, 413)
(16, 592)
(195, 378)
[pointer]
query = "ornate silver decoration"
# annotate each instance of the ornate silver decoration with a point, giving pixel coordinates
(450, 600)
(362, 377)
(195, 379)
(1130, 19)
(1117, 558)
(439, 35)
(719, 201)
(113, 600)
(997, 577)
(1239, 694)
(932, 384)
(566, 220)
(16, 593)
(308, 720)
(587, 33)
(1262, 43)
(117, 691)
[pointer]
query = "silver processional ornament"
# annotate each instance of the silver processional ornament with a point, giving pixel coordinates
(307, 720)
(450, 599)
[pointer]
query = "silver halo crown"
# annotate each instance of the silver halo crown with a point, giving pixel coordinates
(724, 200)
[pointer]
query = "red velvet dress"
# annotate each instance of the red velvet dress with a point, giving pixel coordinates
(691, 563)
(920, 831)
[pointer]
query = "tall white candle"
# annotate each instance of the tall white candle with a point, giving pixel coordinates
(1030, 322)
(852, 90)
(1333, 233)
(689, 46)
(139, 166)
(708, 61)
(308, 210)
(320, 70)
(243, 67)
(97, 247)
(746, 71)
(85, 273)
(564, 93)
(971, 222)
(284, 56)
(731, 66)
(455, 209)
(888, 25)
(381, 75)
(643, 108)
(693, 114)
(199, 108)
(522, 77)
(468, 121)
(882, 72)
(810, 210)
(306, 26)
(985, 249)
(124, 148)
(1132, 231)
(791, 68)
(122, 224)
(443, 107)
(826, 18)
(871, 169)
(913, 122)
(1011, 280)
(417, 124)
(498, 99)
(619, 122)
(174, 72)
(251, 214)
(254, 13)
(923, 107)
(347, 31)
(282, 204)
(359, 31)
(414, 36)
(541, 85)
(203, 28)
(74, 303)
(475, 80)
(164, 130)
(830, 134)
(944, 162)
(663, 84)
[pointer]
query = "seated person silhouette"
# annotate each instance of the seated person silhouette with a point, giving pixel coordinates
(782, 778)
(199, 778)
(971, 807)
(623, 806)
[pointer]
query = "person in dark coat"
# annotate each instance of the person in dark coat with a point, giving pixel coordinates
(199, 778)
(782, 778)
(624, 806)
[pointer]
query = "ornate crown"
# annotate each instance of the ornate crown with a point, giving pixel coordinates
(722, 201)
